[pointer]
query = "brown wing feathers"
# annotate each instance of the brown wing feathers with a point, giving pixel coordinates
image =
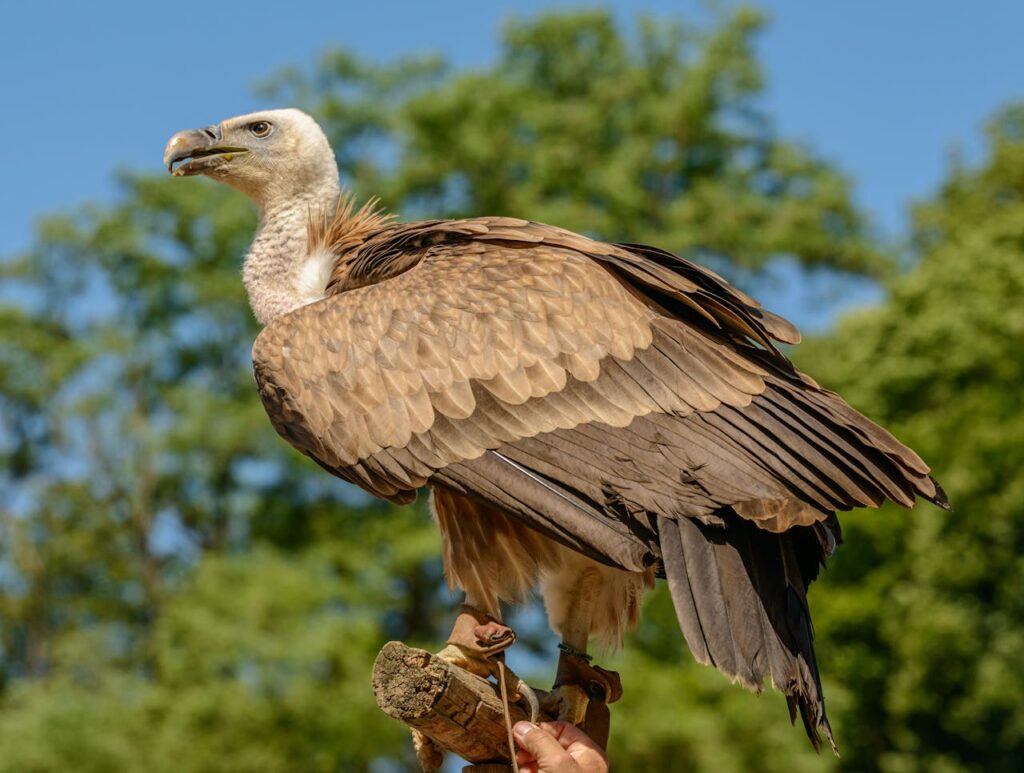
(623, 401)
(739, 590)
(740, 596)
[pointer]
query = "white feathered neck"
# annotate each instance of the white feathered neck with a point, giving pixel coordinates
(279, 272)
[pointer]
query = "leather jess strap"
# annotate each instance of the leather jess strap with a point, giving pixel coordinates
(601, 685)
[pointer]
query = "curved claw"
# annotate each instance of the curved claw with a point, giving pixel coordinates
(493, 635)
(429, 756)
(527, 694)
(568, 702)
(477, 644)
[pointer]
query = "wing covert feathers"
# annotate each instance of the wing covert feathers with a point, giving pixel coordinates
(618, 400)
(444, 339)
(372, 367)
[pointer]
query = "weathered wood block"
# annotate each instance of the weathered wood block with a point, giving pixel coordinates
(459, 711)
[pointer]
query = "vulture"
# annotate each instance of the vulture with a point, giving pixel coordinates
(588, 417)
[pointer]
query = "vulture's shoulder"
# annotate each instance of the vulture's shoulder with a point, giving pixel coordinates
(457, 287)
(462, 335)
(674, 285)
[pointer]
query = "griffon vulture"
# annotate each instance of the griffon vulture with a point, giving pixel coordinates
(587, 416)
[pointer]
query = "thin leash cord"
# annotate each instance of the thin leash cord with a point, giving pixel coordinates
(508, 715)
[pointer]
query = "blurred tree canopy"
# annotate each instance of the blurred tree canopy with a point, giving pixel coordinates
(179, 591)
(652, 135)
(922, 616)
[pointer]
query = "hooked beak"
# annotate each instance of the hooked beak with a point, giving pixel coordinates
(200, 150)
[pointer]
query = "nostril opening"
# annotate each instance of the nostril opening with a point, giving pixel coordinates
(212, 132)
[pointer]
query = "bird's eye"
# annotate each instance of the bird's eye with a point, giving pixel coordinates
(259, 128)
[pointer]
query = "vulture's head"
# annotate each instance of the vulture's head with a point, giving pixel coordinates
(265, 155)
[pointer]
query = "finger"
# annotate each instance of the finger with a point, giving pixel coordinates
(527, 762)
(523, 757)
(568, 734)
(542, 744)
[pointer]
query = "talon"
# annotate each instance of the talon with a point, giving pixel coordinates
(467, 660)
(569, 703)
(582, 693)
(529, 697)
(596, 682)
(475, 640)
(493, 633)
(480, 634)
(477, 643)
(429, 756)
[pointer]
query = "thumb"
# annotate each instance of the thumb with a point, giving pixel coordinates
(544, 747)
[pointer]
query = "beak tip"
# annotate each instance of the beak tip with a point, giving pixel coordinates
(201, 149)
(178, 147)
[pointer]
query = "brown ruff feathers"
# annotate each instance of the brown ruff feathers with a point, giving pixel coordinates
(345, 227)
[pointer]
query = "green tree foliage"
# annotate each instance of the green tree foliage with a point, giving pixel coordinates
(654, 137)
(923, 615)
(253, 669)
(181, 591)
(135, 455)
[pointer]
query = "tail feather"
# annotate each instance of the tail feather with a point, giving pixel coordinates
(740, 596)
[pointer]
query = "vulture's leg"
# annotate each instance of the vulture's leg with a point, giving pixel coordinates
(428, 754)
(576, 598)
(489, 556)
(569, 697)
(478, 642)
(476, 638)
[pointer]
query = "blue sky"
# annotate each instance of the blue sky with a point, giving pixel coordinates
(883, 89)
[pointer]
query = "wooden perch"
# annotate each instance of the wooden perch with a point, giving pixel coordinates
(459, 711)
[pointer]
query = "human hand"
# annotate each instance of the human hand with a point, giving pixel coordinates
(557, 747)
